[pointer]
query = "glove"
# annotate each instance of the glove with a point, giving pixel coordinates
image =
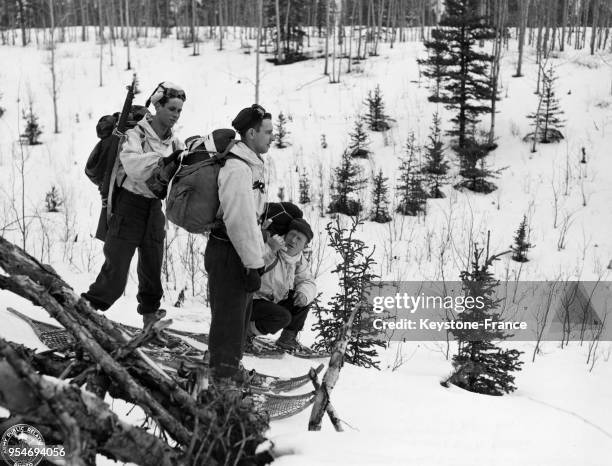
(300, 299)
(253, 279)
(172, 158)
(276, 243)
(162, 174)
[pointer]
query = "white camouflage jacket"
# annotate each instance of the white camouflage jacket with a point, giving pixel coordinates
(289, 273)
(242, 198)
(141, 150)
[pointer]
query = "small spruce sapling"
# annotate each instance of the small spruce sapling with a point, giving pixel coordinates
(380, 201)
(435, 167)
(281, 133)
(354, 276)
(359, 140)
(521, 244)
(32, 130)
(53, 200)
(480, 365)
(376, 116)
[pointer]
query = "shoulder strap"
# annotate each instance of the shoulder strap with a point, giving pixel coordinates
(143, 137)
(272, 265)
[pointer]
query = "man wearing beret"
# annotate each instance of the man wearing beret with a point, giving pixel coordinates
(234, 257)
(287, 289)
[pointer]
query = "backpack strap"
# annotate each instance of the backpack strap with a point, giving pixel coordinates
(272, 265)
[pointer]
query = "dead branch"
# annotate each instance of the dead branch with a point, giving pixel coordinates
(332, 373)
(22, 390)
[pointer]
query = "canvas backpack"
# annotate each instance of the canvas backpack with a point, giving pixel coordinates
(193, 198)
(95, 168)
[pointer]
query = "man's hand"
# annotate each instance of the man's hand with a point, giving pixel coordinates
(276, 243)
(300, 299)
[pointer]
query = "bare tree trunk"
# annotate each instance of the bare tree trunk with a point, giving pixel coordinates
(52, 66)
(594, 25)
(500, 8)
(379, 27)
(83, 21)
(24, 40)
(101, 40)
(338, 28)
(334, 31)
(325, 69)
(257, 58)
(127, 33)
(352, 33)
(194, 35)
(524, 9)
(279, 52)
(220, 24)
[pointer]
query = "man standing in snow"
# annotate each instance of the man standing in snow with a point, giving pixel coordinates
(234, 257)
(287, 289)
(137, 220)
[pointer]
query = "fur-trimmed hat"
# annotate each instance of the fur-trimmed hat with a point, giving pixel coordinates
(301, 225)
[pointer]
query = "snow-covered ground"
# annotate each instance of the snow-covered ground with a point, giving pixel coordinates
(561, 411)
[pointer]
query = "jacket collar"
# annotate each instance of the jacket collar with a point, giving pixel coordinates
(240, 149)
(289, 259)
(145, 125)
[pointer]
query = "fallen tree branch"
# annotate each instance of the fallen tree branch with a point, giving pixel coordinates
(329, 409)
(22, 390)
(25, 287)
(322, 398)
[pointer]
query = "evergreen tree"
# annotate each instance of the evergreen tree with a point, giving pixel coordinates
(473, 168)
(413, 198)
(436, 167)
(354, 276)
(304, 187)
(32, 130)
(280, 133)
(376, 117)
(359, 140)
(53, 200)
(466, 79)
(521, 245)
(380, 211)
(323, 142)
(2, 109)
(481, 366)
(436, 63)
(346, 181)
(546, 120)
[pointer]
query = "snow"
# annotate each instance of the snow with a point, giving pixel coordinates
(560, 413)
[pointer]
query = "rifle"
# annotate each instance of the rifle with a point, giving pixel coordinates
(115, 145)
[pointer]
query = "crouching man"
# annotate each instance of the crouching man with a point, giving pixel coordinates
(287, 288)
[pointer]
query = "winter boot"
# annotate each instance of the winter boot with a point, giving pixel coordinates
(252, 332)
(288, 340)
(148, 320)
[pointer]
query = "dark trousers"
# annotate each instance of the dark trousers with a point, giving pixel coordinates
(230, 306)
(270, 317)
(137, 223)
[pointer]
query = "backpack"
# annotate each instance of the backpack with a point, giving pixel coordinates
(95, 168)
(193, 198)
